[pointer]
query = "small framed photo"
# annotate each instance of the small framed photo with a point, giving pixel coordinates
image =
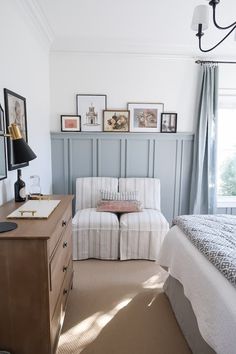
(116, 120)
(168, 122)
(15, 112)
(145, 117)
(70, 123)
(90, 108)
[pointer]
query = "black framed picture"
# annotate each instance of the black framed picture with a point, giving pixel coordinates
(3, 160)
(15, 112)
(90, 107)
(168, 122)
(2, 130)
(70, 123)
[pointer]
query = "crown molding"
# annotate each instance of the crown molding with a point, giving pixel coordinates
(35, 14)
(120, 46)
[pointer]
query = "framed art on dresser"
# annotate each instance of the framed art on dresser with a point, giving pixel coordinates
(90, 107)
(3, 159)
(15, 106)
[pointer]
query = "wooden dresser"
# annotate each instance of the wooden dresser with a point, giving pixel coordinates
(35, 279)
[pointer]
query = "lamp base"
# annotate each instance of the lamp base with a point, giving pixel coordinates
(7, 226)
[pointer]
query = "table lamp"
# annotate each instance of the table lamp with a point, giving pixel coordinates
(21, 153)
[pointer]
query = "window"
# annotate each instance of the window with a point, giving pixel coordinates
(226, 161)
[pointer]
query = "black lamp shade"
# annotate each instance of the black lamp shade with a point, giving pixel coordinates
(21, 151)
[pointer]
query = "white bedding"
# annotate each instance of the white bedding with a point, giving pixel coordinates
(212, 297)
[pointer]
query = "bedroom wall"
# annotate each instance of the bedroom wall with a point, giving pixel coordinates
(124, 78)
(24, 69)
(227, 76)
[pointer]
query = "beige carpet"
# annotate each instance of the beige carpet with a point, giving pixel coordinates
(119, 308)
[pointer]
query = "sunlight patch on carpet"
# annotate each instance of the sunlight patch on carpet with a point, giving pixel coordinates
(86, 331)
(155, 282)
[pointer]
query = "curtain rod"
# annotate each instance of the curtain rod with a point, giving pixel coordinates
(214, 62)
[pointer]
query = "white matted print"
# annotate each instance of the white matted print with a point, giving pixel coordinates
(145, 117)
(90, 108)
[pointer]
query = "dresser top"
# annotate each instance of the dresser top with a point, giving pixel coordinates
(37, 228)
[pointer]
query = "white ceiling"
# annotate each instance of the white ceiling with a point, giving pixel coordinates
(144, 26)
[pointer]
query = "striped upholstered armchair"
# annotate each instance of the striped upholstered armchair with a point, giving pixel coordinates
(104, 235)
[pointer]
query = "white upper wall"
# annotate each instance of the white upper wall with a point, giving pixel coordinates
(143, 26)
(124, 78)
(24, 69)
(142, 51)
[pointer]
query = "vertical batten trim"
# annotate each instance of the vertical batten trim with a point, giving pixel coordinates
(175, 199)
(126, 156)
(180, 177)
(122, 157)
(94, 142)
(65, 165)
(154, 158)
(99, 158)
(150, 158)
(69, 155)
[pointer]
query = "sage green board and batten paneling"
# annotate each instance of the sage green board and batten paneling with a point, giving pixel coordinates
(185, 181)
(60, 165)
(166, 156)
(109, 153)
(165, 169)
(137, 158)
(82, 160)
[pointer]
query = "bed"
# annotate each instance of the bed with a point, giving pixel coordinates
(203, 300)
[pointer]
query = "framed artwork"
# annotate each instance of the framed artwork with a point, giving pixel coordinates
(145, 117)
(15, 106)
(3, 160)
(2, 130)
(168, 122)
(90, 108)
(116, 120)
(70, 123)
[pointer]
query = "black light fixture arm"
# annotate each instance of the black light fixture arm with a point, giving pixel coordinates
(213, 3)
(200, 34)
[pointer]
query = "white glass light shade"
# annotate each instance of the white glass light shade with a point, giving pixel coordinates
(200, 16)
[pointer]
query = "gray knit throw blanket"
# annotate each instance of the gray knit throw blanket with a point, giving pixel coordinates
(215, 237)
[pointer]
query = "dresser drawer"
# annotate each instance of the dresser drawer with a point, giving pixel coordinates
(59, 313)
(59, 265)
(61, 226)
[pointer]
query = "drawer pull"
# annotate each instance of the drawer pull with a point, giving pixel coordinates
(65, 292)
(65, 244)
(63, 223)
(65, 269)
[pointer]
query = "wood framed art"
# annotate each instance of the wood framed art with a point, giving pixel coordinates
(168, 122)
(70, 123)
(90, 108)
(116, 120)
(145, 117)
(15, 106)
